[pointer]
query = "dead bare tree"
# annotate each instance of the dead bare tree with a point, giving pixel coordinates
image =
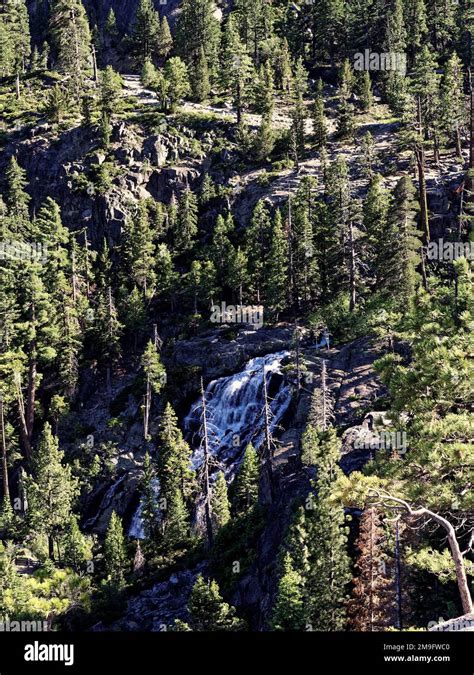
(386, 500)
(207, 491)
(321, 407)
(267, 452)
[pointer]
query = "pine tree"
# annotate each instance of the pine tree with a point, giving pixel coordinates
(77, 547)
(41, 336)
(49, 230)
(372, 604)
(329, 26)
(149, 506)
(174, 455)
(367, 158)
(55, 105)
(365, 91)
(107, 330)
(114, 551)
(425, 87)
(155, 375)
(453, 112)
(111, 24)
(72, 38)
(264, 140)
(402, 276)
(167, 277)
(245, 488)
(298, 117)
(304, 276)
(441, 22)
(15, 48)
(288, 611)
(319, 119)
(51, 490)
(345, 119)
(284, 70)
(327, 543)
(16, 198)
(264, 94)
(377, 249)
(197, 28)
(238, 273)
(416, 26)
(165, 39)
(149, 74)
(236, 69)
(177, 520)
(221, 248)
(200, 84)
(345, 113)
(208, 191)
(176, 75)
(395, 41)
(146, 31)
(187, 220)
(110, 88)
(258, 237)
(276, 289)
(139, 251)
(220, 507)
(201, 282)
(208, 610)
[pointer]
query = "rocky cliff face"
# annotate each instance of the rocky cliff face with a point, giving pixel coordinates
(355, 389)
(124, 10)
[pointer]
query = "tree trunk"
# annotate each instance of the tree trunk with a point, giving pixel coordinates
(398, 572)
(31, 392)
(420, 162)
(298, 360)
(207, 492)
(25, 442)
(267, 472)
(352, 269)
(456, 554)
(6, 487)
(51, 547)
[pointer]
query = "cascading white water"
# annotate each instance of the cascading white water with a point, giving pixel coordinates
(106, 500)
(136, 529)
(235, 406)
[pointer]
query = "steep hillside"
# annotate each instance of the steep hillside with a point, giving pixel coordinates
(236, 315)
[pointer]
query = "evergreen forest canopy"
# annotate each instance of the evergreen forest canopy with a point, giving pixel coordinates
(309, 161)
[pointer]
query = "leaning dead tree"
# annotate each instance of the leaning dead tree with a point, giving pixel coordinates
(387, 500)
(266, 453)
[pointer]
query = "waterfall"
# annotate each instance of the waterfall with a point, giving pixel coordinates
(136, 530)
(235, 417)
(235, 410)
(106, 500)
